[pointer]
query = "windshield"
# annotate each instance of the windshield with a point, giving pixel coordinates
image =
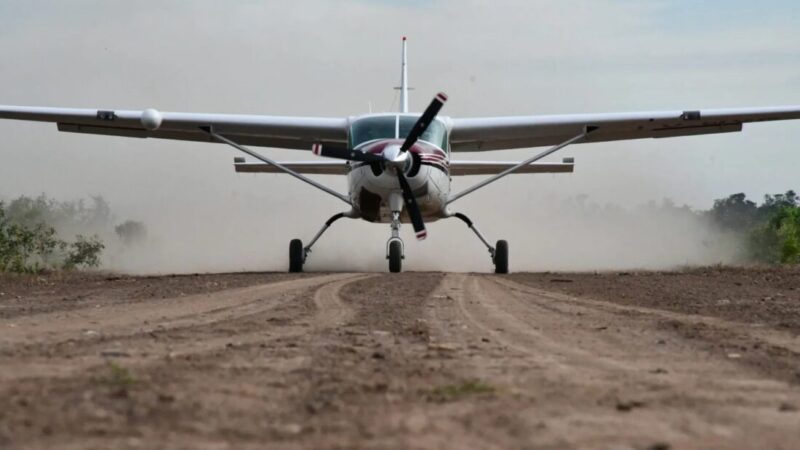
(383, 127)
(371, 128)
(436, 133)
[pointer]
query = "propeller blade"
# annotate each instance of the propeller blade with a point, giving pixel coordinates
(413, 208)
(333, 151)
(424, 120)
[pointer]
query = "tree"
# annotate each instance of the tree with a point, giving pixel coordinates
(774, 203)
(735, 213)
(131, 232)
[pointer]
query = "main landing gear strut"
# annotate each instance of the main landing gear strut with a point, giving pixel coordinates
(395, 249)
(499, 252)
(298, 253)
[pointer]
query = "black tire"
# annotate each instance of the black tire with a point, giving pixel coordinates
(395, 256)
(296, 256)
(501, 257)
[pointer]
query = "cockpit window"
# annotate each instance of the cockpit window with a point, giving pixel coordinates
(371, 128)
(436, 133)
(383, 127)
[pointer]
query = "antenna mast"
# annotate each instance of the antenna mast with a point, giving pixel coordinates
(404, 82)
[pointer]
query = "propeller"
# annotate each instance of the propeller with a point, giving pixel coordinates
(398, 160)
(413, 208)
(424, 121)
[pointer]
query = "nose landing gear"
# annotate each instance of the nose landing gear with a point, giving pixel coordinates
(394, 247)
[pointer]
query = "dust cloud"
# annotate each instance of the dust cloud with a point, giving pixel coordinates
(248, 233)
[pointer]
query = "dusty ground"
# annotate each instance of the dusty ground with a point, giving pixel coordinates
(692, 360)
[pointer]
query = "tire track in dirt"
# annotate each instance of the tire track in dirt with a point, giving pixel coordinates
(219, 321)
(207, 380)
(138, 317)
(407, 360)
(591, 365)
(332, 310)
(774, 337)
(769, 351)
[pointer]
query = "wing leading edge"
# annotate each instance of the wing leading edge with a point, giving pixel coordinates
(260, 131)
(501, 133)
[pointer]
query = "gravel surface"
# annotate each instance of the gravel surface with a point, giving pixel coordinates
(698, 359)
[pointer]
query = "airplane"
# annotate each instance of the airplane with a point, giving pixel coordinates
(398, 165)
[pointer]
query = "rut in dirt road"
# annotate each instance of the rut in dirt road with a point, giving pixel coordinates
(63, 342)
(607, 376)
(263, 388)
(412, 360)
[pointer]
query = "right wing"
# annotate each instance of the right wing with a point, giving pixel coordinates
(260, 131)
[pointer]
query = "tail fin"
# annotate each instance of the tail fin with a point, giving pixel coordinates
(404, 82)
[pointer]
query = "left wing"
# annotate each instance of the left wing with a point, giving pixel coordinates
(261, 131)
(500, 133)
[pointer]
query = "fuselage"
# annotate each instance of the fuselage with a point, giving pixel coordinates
(427, 168)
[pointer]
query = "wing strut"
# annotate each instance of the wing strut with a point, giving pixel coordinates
(243, 149)
(586, 132)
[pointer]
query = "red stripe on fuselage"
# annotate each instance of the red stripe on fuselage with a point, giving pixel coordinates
(420, 148)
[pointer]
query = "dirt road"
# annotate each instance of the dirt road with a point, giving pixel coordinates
(416, 360)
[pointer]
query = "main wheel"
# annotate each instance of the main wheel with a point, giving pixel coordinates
(395, 256)
(296, 255)
(501, 257)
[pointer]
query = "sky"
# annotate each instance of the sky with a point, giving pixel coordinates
(341, 57)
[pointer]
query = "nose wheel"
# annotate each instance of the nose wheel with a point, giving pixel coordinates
(395, 256)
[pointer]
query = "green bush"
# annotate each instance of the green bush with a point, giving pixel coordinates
(786, 223)
(28, 244)
(778, 240)
(84, 252)
(771, 230)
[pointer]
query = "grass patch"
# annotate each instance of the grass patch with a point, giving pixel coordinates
(118, 376)
(461, 390)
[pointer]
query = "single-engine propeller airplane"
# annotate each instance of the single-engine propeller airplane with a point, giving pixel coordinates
(398, 165)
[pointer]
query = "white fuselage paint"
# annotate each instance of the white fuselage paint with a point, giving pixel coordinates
(431, 186)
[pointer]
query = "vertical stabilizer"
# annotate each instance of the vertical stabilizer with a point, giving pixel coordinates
(404, 82)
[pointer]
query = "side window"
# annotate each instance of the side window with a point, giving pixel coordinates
(436, 133)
